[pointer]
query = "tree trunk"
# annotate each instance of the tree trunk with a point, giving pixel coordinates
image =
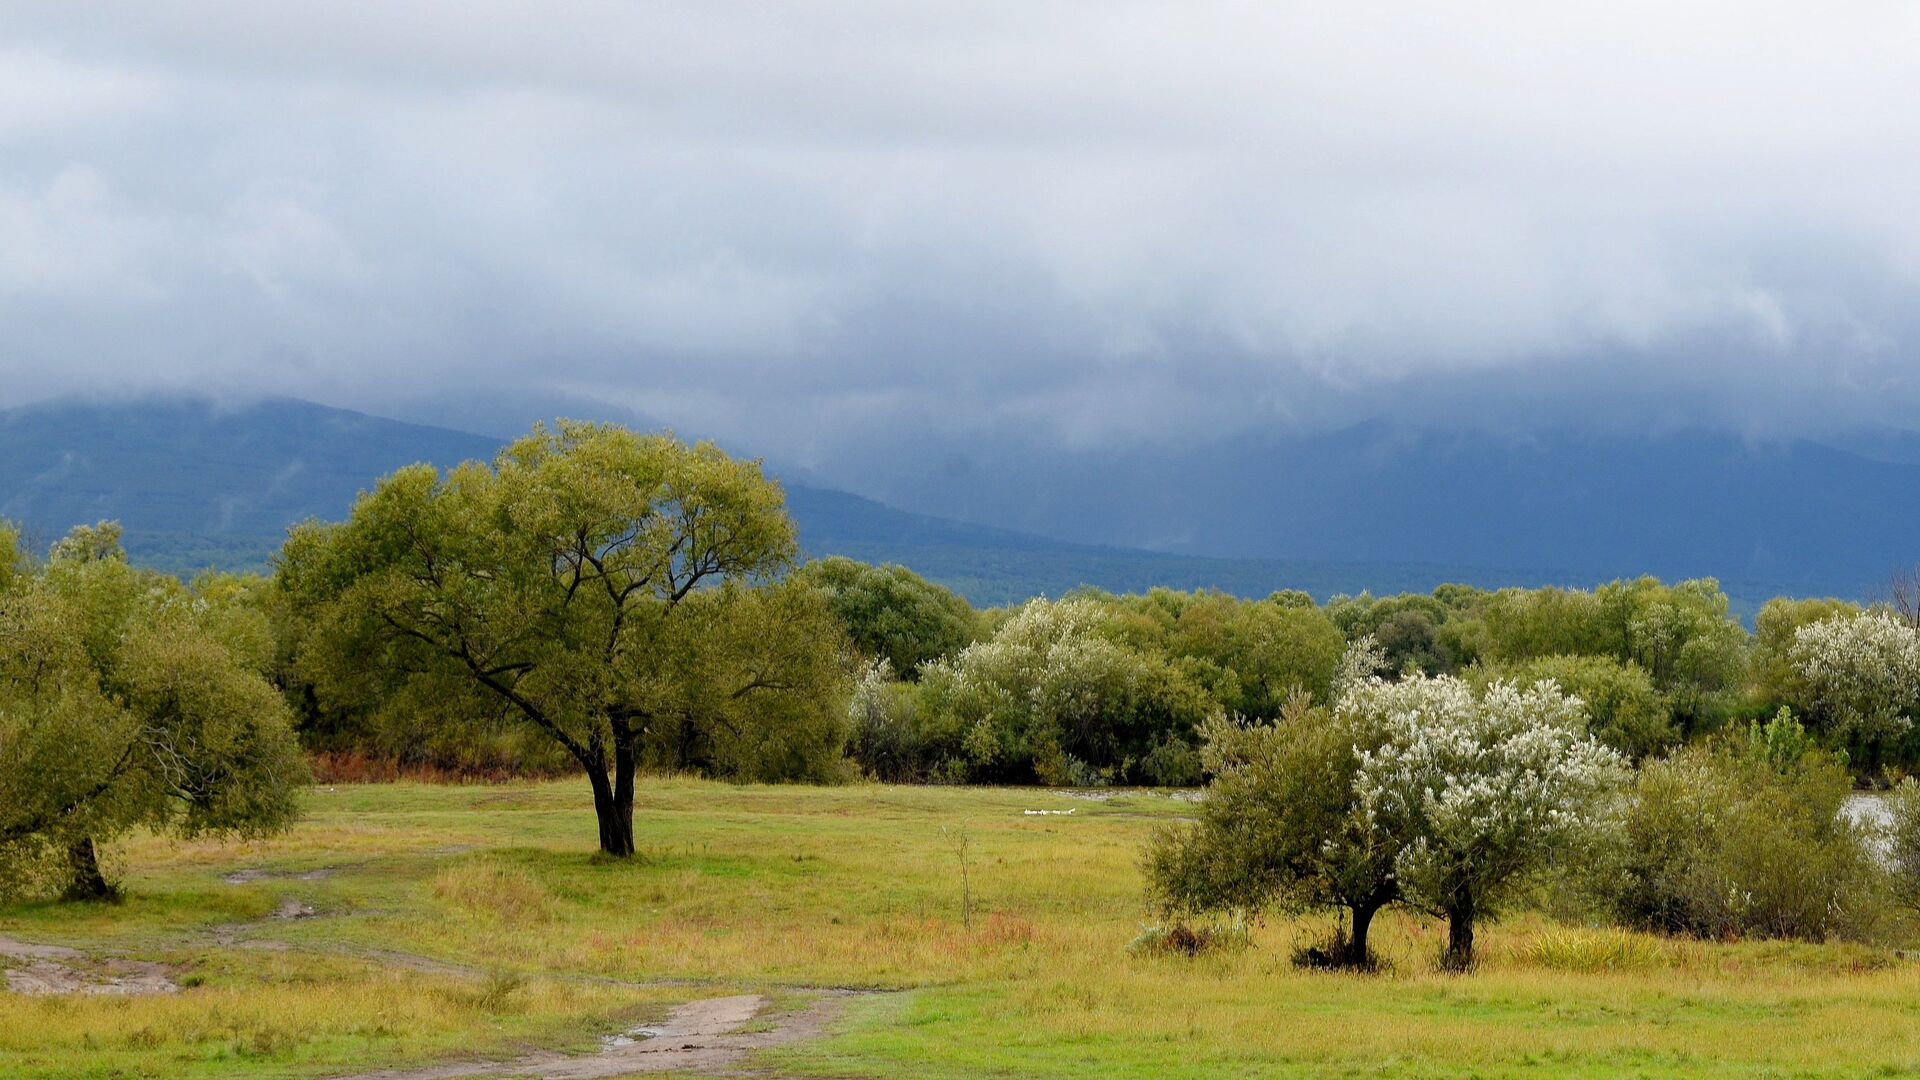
(85, 882)
(623, 792)
(1459, 954)
(1357, 955)
(616, 823)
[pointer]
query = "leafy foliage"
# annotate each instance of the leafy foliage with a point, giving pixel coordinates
(1861, 675)
(1903, 842)
(892, 613)
(1281, 828)
(1250, 655)
(1053, 696)
(1771, 669)
(1624, 711)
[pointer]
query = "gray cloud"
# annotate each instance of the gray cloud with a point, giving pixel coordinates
(817, 229)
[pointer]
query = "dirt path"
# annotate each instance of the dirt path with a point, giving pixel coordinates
(701, 1036)
(698, 1037)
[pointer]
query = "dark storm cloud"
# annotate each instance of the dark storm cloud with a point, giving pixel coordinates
(817, 228)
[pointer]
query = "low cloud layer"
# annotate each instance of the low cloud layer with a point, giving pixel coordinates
(818, 229)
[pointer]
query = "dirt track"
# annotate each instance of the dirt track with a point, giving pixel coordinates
(699, 1037)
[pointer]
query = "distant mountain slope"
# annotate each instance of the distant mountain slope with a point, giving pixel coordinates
(197, 485)
(182, 469)
(1764, 518)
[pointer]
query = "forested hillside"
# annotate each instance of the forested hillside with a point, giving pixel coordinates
(197, 485)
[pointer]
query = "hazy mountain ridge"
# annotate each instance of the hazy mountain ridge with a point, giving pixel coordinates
(1786, 516)
(196, 484)
(1370, 507)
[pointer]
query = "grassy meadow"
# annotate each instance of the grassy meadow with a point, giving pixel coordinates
(473, 921)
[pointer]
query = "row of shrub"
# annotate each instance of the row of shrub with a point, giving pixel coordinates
(1097, 688)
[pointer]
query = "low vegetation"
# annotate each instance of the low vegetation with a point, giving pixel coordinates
(785, 889)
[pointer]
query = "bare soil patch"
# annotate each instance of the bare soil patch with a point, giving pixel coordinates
(55, 969)
(258, 873)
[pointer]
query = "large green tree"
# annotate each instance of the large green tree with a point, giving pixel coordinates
(610, 589)
(130, 699)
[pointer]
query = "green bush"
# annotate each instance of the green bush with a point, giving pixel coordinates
(1745, 841)
(1054, 697)
(1173, 762)
(885, 738)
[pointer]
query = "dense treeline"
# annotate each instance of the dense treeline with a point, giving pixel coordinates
(905, 681)
(1095, 688)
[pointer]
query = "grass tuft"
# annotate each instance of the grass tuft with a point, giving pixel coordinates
(1589, 951)
(491, 887)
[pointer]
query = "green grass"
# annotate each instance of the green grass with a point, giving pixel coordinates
(474, 920)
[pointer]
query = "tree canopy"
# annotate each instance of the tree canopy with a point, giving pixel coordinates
(127, 699)
(1054, 695)
(1281, 827)
(892, 613)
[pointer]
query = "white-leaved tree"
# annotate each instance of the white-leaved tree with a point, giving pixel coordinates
(1479, 789)
(1861, 674)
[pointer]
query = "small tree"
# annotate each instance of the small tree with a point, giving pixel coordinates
(128, 700)
(1281, 828)
(602, 587)
(883, 715)
(1478, 790)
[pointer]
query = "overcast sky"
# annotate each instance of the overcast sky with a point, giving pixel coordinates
(817, 228)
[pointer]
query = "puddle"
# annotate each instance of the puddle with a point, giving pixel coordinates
(629, 1038)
